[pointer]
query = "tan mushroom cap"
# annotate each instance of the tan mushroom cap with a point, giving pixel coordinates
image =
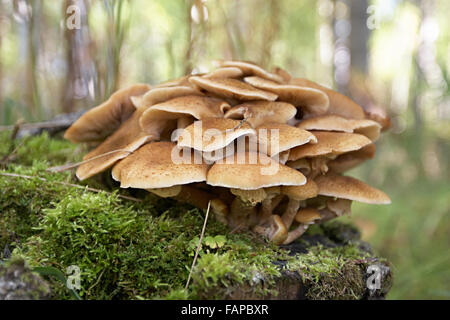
(151, 166)
(275, 138)
(226, 72)
(249, 68)
(232, 88)
(212, 134)
(352, 159)
(343, 187)
(250, 171)
(330, 143)
(340, 104)
(161, 94)
(257, 113)
(196, 106)
(307, 215)
(99, 122)
(127, 138)
(368, 128)
(313, 101)
(307, 191)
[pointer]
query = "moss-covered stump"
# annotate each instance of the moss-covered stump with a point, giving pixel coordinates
(129, 249)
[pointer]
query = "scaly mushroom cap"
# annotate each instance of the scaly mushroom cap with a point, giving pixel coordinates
(251, 171)
(284, 138)
(127, 139)
(339, 206)
(226, 72)
(212, 134)
(340, 104)
(166, 192)
(193, 106)
(161, 94)
(312, 101)
(232, 88)
(257, 113)
(330, 143)
(333, 185)
(307, 215)
(368, 128)
(151, 166)
(249, 68)
(306, 191)
(99, 122)
(352, 159)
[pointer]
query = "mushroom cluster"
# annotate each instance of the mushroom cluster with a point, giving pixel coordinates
(266, 150)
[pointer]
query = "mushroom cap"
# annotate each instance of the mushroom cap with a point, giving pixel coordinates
(340, 104)
(127, 138)
(151, 166)
(339, 206)
(307, 215)
(330, 143)
(258, 112)
(343, 187)
(249, 68)
(161, 94)
(196, 106)
(225, 72)
(352, 159)
(246, 171)
(368, 128)
(307, 191)
(285, 138)
(99, 122)
(232, 88)
(212, 134)
(313, 101)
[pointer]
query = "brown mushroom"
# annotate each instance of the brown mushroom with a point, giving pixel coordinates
(152, 166)
(98, 123)
(119, 145)
(257, 113)
(312, 101)
(343, 187)
(232, 88)
(186, 109)
(340, 104)
(249, 68)
(329, 145)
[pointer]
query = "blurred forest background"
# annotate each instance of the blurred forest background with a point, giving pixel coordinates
(388, 54)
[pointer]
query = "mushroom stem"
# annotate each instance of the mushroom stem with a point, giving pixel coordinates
(241, 214)
(296, 233)
(267, 207)
(274, 229)
(290, 212)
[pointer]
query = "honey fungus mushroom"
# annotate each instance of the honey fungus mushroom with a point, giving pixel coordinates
(182, 139)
